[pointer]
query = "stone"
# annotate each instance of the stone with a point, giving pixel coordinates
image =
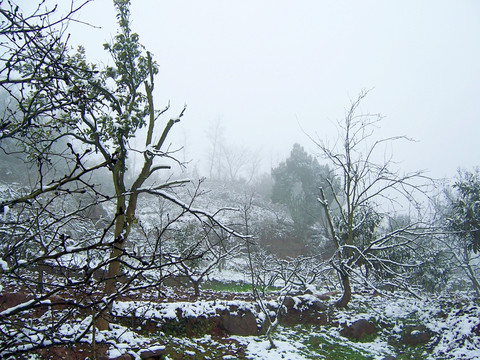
(358, 329)
(239, 322)
(302, 310)
(476, 329)
(415, 335)
(9, 300)
(319, 305)
(124, 357)
(158, 354)
(328, 295)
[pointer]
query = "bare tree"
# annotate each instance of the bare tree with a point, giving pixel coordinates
(240, 163)
(369, 193)
(229, 162)
(272, 279)
(215, 137)
(198, 254)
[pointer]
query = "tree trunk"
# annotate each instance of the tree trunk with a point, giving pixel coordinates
(119, 240)
(470, 272)
(39, 288)
(473, 278)
(347, 291)
(196, 288)
(270, 331)
(112, 272)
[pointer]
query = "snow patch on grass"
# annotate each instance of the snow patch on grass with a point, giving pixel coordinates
(260, 349)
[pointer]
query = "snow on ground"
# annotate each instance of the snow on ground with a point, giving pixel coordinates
(454, 322)
(258, 348)
(453, 331)
(169, 310)
(122, 340)
(457, 331)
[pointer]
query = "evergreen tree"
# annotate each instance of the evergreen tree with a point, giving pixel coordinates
(297, 181)
(464, 217)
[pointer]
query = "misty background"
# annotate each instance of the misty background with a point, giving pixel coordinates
(266, 73)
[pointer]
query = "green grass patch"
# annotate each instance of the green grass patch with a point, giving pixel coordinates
(232, 286)
(321, 344)
(188, 327)
(202, 348)
(411, 353)
(331, 349)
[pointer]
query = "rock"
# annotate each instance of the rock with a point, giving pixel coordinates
(303, 310)
(157, 354)
(415, 335)
(124, 357)
(327, 296)
(319, 305)
(289, 303)
(10, 300)
(308, 292)
(239, 322)
(476, 329)
(358, 330)
(134, 322)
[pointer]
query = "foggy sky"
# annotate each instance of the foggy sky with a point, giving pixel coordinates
(268, 69)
